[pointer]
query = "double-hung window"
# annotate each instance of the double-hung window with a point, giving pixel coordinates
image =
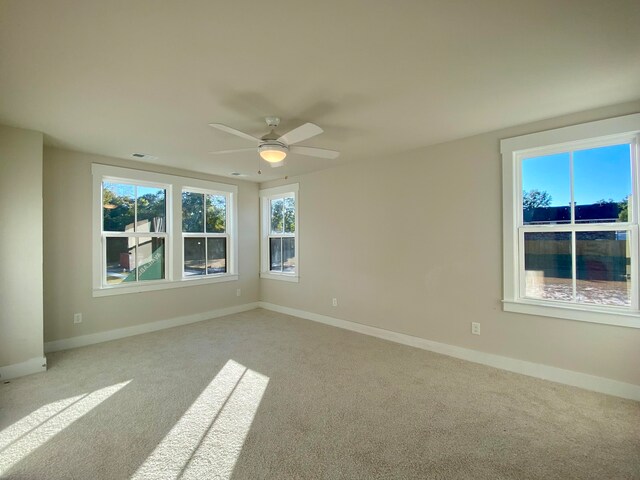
(204, 232)
(133, 231)
(279, 229)
(571, 222)
(153, 231)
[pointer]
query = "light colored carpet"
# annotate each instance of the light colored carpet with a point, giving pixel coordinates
(265, 395)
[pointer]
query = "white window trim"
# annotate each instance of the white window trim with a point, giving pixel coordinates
(512, 149)
(265, 226)
(173, 243)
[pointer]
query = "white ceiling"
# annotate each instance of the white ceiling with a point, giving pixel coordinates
(380, 77)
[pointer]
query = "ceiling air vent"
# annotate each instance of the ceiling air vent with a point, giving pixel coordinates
(144, 156)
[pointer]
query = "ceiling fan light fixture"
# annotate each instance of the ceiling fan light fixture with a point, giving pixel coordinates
(273, 153)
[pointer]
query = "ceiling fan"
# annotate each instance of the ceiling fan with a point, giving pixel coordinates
(274, 147)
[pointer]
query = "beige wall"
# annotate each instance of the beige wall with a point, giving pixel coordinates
(413, 244)
(20, 245)
(67, 255)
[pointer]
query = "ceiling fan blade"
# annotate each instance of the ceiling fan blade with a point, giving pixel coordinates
(315, 152)
(235, 150)
(233, 131)
(300, 134)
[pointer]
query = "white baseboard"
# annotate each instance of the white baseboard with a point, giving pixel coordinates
(559, 375)
(33, 365)
(83, 340)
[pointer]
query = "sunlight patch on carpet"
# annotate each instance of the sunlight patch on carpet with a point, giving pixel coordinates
(207, 440)
(26, 435)
(33, 420)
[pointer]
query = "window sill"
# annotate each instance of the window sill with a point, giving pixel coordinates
(283, 277)
(161, 285)
(603, 315)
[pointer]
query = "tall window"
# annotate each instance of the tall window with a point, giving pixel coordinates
(204, 232)
(571, 231)
(279, 233)
(133, 232)
(154, 231)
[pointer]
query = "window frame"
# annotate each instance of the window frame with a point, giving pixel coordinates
(173, 229)
(266, 196)
(600, 133)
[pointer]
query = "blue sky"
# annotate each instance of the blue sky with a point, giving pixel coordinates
(598, 173)
(126, 190)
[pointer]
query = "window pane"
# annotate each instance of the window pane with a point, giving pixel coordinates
(150, 258)
(194, 263)
(275, 254)
(546, 186)
(118, 207)
(151, 209)
(602, 183)
(603, 268)
(193, 212)
(216, 255)
(216, 213)
(121, 260)
(289, 215)
(277, 215)
(289, 254)
(547, 264)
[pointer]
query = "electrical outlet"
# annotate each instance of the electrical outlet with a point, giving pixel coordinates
(334, 302)
(475, 328)
(238, 292)
(77, 318)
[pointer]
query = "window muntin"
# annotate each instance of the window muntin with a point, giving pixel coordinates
(279, 229)
(205, 239)
(133, 232)
(569, 250)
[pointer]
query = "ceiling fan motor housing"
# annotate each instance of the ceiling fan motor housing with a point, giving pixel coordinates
(273, 122)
